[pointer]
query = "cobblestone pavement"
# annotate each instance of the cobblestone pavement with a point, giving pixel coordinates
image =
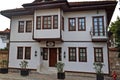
(38, 76)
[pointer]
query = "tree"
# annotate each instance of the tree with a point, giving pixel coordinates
(115, 29)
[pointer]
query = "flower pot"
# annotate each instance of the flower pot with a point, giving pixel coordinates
(61, 75)
(100, 77)
(24, 72)
(3, 70)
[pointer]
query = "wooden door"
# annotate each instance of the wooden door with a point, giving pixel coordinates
(52, 57)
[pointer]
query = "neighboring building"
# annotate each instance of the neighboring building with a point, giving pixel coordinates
(4, 38)
(45, 32)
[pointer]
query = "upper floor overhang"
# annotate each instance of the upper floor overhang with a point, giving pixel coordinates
(29, 8)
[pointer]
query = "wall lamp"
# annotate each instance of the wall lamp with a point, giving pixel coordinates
(35, 53)
(64, 54)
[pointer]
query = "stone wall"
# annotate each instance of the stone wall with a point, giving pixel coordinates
(114, 61)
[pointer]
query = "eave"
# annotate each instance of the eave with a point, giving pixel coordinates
(16, 12)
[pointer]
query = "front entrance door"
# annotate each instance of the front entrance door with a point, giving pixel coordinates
(52, 57)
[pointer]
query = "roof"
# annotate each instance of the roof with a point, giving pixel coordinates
(6, 31)
(28, 9)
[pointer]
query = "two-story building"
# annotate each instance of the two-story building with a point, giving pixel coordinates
(4, 38)
(45, 32)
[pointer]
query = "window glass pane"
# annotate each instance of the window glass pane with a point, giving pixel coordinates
(28, 26)
(72, 54)
(21, 27)
(47, 22)
(81, 24)
(72, 24)
(98, 25)
(20, 53)
(98, 55)
(27, 52)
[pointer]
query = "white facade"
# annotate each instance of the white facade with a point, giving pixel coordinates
(44, 45)
(71, 39)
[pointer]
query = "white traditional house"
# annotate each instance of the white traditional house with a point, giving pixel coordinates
(45, 32)
(4, 38)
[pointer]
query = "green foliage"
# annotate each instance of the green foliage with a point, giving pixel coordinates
(115, 29)
(98, 67)
(4, 63)
(60, 66)
(24, 64)
(5, 49)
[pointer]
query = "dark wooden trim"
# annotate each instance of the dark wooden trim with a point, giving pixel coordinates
(48, 39)
(25, 56)
(108, 58)
(95, 54)
(54, 21)
(47, 22)
(98, 25)
(19, 31)
(27, 26)
(84, 24)
(85, 53)
(18, 52)
(23, 42)
(69, 24)
(37, 22)
(75, 54)
(20, 68)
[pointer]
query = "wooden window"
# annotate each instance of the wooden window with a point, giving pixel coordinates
(47, 22)
(55, 22)
(82, 55)
(72, 24)
(45, 53)
(28, 26)
(27, 52)
(20, 53)
(98, 26)
(98, 52)
(21, 27)
(72, 54)
(81, 24)
(38, 22)
(59, 54)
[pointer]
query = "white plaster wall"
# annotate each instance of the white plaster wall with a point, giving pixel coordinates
(15, 36)
(2, 44)
(84, 66)
(33, 63)
(47, 33)
(81, 35)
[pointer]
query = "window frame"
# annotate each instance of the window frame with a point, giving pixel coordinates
(37, 22)
(80, 23)
(18, 53)
(98, 26)
(45, 57)
(54, 22)
(28, 26)
(80, 60)
(95, 57)
(26, 57)
(19, 26)
(47, 22)
(72, 23)
(72, 54)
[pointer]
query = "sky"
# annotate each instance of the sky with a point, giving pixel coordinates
(12, 4)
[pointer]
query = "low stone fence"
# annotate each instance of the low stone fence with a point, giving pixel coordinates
(114, 61)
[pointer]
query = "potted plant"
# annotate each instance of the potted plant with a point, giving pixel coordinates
(61, 73)
(24, 71)
(98, 68)
(4, 66)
